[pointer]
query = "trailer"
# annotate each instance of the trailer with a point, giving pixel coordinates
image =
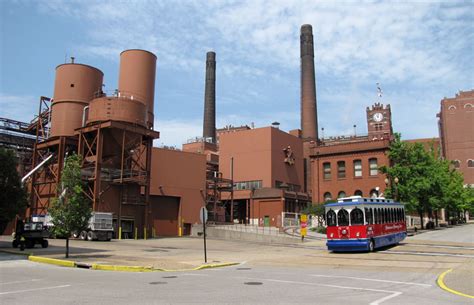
(100, 227)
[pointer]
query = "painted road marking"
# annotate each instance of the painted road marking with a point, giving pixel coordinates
(441, 284)
(392, 294)
(16, 282)
(35, 289)
(367, 279)
(429, 253)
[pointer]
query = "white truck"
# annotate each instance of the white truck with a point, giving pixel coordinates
(100, 227)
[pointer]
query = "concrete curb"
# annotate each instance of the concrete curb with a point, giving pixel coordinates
(51, 261)
(72, 264)
(440, 282)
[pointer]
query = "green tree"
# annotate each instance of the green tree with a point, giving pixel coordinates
(425, 183)
(71, 211)
(12, 194)
(316, 210)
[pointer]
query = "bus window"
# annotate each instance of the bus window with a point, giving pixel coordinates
(399, 214)
(371, 213)
(376, 216)
(368, 216)
(331, 218)
(343, 218)
(392, 218)
(357, 217)
(384, 215)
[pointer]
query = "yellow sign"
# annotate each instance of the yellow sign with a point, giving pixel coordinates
(303, 224)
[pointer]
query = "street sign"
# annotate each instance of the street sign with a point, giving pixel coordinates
(303, 225)
(203, 214)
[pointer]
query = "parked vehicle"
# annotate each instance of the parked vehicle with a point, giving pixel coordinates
(100, 228)
(29, 234)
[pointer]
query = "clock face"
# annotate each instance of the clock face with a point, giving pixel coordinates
(378, 117)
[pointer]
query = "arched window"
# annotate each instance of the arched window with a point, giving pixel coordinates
(331, 218)
(358, 193)
(456, 163)
(452, 108)
(327, 196)
(470, 163)
(341, 194)
(357, 217)
(343, 218)
(374, 193)
(468, 106)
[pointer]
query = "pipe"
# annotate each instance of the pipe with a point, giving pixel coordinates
(36, 168)
(84, 115)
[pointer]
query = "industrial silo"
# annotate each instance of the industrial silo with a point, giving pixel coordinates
(137, 79)
(75, 86)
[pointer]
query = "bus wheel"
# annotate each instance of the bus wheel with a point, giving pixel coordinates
(371, 246)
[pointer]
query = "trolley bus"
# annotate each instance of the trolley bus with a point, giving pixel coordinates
(364, 224)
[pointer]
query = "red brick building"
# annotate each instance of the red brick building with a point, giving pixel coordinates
(456, 130)
(348, 165)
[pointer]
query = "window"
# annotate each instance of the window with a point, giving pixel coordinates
(341, 169)
(369, 219)
(373, 167)
(456, 163)
(248, 185)
(468, 106)
(358, 193)
(327, 170)
(357, 217)
(357, 168)
(374, 193)
(331, 218)
(343, 218)
(327, 196)
(341, 194)
(470, 163)
(376, 215)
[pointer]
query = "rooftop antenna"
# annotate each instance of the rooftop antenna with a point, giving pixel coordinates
(322, 133)
(355, 133)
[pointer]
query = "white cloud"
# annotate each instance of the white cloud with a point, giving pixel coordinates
(418, 47)
(18, 107)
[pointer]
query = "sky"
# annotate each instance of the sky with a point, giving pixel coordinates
(419, 52)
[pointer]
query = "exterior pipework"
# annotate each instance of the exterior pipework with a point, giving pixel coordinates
(75, 86)
(137, 79)
(309, 118)
(209, 125)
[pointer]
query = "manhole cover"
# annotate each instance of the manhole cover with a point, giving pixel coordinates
(253, 283)
(170, 277)
(244, 268)
(158, 283)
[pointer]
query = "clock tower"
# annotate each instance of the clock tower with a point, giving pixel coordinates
(379, 122)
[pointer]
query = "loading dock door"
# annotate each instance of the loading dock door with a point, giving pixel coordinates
(164, 213)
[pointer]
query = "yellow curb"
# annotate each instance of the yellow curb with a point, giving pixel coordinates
(214, 266)
(197, 268)
(441, 284)
(121, 268)
(52, 261)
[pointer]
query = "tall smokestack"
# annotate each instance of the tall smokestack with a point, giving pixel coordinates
(209, 128)
(309, 119)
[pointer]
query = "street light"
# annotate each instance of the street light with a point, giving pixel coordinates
(393, 186)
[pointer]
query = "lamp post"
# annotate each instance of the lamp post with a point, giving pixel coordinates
(393, 183)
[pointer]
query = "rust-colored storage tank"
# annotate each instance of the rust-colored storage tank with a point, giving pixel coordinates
(118, 109)
(137, 79)
(75, 86)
